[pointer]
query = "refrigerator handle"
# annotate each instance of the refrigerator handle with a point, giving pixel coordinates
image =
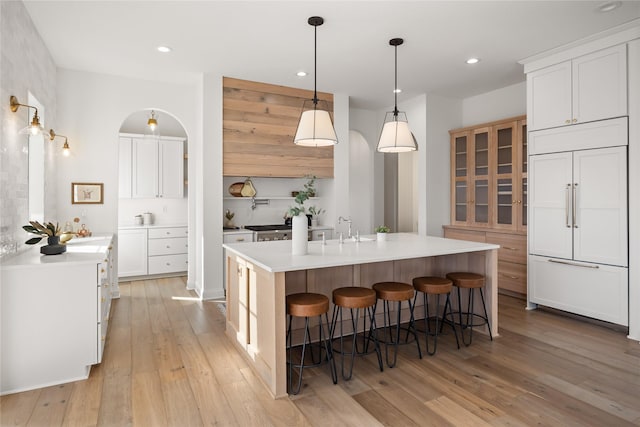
(566, 208)
(575, 205)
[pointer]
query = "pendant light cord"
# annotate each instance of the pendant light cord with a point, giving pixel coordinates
(315, 65)
(395, 87)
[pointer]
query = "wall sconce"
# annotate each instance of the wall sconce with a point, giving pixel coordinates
(34, 128)
(152, 122)
(66, 151)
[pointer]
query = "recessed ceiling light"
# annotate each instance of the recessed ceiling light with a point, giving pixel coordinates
(472, 60)
(164, 49)
(301, 73)
(609, 6)
(397, 90)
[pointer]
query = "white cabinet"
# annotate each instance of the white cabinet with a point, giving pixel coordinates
(168, 249)
(316, 233)
(132, 252)
(588, 88)
(55, 313)
(237, 237)
(151, 167)
(578, 232)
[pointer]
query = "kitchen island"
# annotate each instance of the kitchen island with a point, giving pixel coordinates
(261, 274)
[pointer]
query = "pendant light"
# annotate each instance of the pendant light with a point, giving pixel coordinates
(152, 122)
(34, 128)
(396, 136)
(315, 128)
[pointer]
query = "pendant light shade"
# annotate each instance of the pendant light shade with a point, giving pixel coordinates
(152, 122)
(315, 128)
(396, 137)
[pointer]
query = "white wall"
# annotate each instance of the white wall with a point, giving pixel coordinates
(443, 114)
(499, 104)
(91, 109)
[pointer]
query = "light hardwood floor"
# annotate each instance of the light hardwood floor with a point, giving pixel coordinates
(168, 362)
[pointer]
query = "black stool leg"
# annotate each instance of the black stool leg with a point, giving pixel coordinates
(373, 334)
(452, 323)
(327, 347)
(486, 317)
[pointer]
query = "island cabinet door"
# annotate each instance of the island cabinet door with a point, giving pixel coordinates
(238, 298)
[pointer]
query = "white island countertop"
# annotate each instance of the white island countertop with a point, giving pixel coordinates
(276, 256)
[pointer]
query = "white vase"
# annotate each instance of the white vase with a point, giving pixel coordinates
(314, 222)
(300, 231)
(381, 237)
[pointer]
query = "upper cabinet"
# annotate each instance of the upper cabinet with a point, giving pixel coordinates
(587, 88)
(260, 122)
(151, 167)
(489, 175)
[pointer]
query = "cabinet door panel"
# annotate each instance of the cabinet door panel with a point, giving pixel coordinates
(132, 253)
(600, 85)
(145, 168)
(550, 231)
(600, 185)
(124, 168)
(549, 96)
(171, 172)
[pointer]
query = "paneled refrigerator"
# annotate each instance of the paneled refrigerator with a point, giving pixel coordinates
(578, 228)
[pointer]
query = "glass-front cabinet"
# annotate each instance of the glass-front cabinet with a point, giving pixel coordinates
(489, 176)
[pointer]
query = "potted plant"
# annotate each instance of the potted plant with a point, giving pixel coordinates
(228, 215)
(381, 232)
(49, 230)
(315, 213)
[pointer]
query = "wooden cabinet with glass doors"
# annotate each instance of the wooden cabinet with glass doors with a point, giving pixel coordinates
(489, 193)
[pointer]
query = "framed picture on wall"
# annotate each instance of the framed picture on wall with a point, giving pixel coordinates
(86, 193)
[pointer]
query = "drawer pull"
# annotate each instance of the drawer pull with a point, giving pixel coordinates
(103, 299)
(573, 264)
(102, 339)
(168, 246)
(510, 277)
(509, 248)
(168, 263)
(102, 270)
(240, 239)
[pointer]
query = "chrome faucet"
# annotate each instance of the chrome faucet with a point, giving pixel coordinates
(347, 220)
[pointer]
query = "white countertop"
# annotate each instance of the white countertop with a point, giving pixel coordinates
(79, 250)
(275, 256)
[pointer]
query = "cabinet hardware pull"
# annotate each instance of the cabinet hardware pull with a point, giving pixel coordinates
(566, 210)
(102, 270)
(575, 120)
(513, 202)
(567, 121)
(240, 239)
(573, 264)
(575, 204)
(519, 201)
(168, 263)
(509, 248)
(168, 246)
(510, 277)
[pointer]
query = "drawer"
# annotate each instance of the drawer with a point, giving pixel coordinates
(175, 246)
(159, 233)
(317, 234)
(512, 277)
(237, 237)
(456, 233)
(167, 264)
(513, 247)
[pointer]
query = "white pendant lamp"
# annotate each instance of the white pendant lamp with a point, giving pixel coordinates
(315, 128)
(396, 137)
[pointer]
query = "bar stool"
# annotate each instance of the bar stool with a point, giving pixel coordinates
(355, 298)
(308, 305)
(438, 286)
(398, 292)
(470, 281)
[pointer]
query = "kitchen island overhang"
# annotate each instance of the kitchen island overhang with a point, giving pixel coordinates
(261, 274)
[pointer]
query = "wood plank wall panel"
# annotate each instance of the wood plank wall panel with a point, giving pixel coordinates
(259, 124)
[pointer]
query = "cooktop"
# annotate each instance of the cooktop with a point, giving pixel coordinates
(268, 227)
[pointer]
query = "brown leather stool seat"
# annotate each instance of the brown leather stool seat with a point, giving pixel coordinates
(355, 298)
(396, 292)
(470, 281)
(432, 285)
(309, 305)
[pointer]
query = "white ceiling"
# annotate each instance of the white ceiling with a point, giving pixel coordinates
(270, 41)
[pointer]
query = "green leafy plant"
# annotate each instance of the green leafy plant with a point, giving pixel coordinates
(382, 229)
(309, 186)
(229, 215)
(46, 230)
(315, 211)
